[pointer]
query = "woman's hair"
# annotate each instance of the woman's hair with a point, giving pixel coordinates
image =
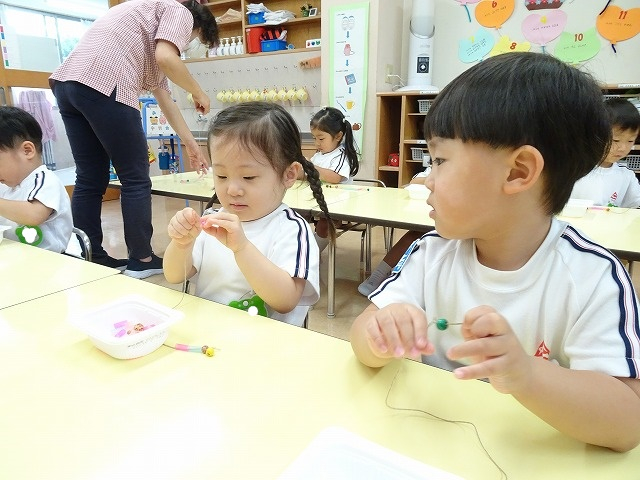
(269, 128)
(525, 98)
(17, 126)
(332, 121)
(204, 21)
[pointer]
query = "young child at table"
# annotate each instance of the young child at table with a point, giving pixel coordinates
(393, 256)
(254, 251)
(32, 198)
(337, 157)
(611, 184)
(502, 289)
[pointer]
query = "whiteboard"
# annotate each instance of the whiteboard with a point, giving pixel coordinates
(452, 25)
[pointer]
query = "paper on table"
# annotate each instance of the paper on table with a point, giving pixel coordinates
(341, 455)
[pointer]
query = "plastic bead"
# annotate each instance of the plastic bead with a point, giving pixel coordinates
(442, 324)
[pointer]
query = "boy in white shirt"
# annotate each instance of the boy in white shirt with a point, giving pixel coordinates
(526, 301)
(611, 184)
(30, 195)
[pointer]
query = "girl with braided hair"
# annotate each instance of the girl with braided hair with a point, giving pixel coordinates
(336, 158)
(254, 251)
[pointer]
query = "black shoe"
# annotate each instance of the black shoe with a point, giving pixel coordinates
(138, 269)
(107, 261)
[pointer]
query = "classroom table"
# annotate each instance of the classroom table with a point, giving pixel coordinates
(377, 206)
(73, 412)
(30, 272)
(617, 229)
(191, 186)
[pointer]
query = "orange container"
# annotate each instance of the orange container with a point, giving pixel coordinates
(253, 39)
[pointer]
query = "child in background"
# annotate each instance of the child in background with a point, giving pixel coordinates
(255, 250)
(337, 157)
(610, 184)
(30, 195)
(528, 302)
(394, 255)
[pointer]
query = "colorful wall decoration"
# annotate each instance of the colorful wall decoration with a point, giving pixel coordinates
(576, 31)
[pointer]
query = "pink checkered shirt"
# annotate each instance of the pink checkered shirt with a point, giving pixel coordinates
(119, 49)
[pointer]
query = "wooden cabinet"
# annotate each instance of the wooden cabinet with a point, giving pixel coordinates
(299, 29)
(399, 130)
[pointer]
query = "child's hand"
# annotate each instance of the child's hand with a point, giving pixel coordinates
(493, 348)
(184, 227)
(227, 228)
(398, 330)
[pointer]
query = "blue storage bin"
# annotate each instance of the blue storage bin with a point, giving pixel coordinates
(255, 18)
(273, 45)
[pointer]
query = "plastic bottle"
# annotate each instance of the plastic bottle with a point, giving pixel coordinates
(220, 49)
(112, 172)
(232, 47)
(225, 49)
(240, 46)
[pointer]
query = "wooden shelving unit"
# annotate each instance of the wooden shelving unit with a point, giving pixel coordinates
(299, 29)
(399, 129)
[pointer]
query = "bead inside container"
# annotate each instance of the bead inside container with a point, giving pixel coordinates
(149, 322)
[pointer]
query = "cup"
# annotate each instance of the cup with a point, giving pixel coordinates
(350, 104)
(301, 94)
(282, 94)
(291, 94)
(236, 96)
(220, 96)
(254, 96)
(245, 96)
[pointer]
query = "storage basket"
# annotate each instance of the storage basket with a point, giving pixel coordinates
(102, 326)
(633, 162)
(424, 105)
(254, 18)
(417, 154)
(273, 45)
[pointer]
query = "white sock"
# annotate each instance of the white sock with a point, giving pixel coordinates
(377, 276)
(322, 242)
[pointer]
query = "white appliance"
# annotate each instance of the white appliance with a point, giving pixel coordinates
(420, 60)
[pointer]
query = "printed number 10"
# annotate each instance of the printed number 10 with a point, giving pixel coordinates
(578, 37)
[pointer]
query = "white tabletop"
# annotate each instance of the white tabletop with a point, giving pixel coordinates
(29, 272)
(72, 412)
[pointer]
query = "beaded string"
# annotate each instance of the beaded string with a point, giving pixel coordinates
(442, 323)
(204, 349)
(503, 474)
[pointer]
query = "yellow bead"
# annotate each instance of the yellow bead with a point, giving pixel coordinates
(210, 352)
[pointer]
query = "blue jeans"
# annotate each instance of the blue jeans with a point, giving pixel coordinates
(101, 129)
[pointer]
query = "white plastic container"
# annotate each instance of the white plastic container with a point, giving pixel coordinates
(339, 454)
(417, 191)
(100, 324)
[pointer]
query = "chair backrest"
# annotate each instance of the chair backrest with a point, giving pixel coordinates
(370, 181)
(85, 242)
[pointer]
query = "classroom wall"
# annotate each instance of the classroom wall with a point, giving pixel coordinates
(268, 71)
(385, 47)
(452, 25)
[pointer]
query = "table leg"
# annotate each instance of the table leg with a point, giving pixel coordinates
(367, 260)
(331, 273)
